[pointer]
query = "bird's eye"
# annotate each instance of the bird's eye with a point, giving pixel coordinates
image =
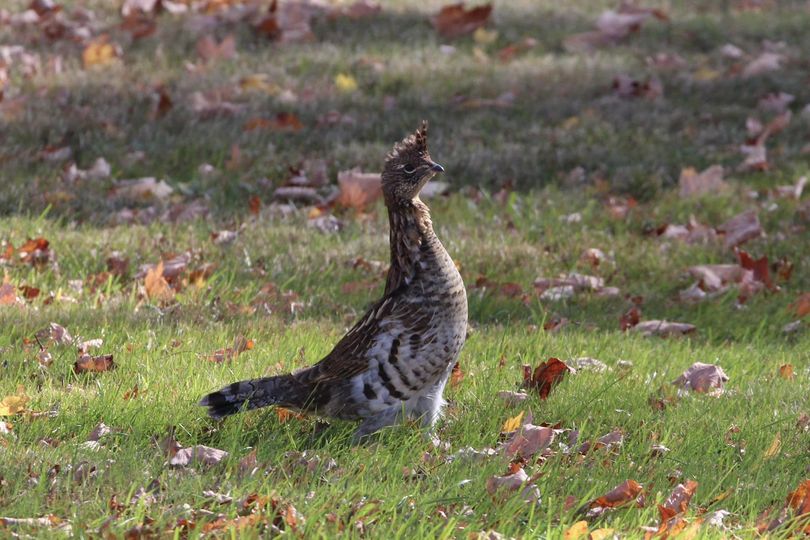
(409, 169)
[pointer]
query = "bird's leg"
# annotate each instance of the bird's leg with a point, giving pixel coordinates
(428, 406)
(372, 424)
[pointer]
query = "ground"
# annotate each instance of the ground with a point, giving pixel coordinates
(544, 160)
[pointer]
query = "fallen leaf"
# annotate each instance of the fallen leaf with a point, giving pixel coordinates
(625, 86)
(801, 306)
(455, 20)
(8, 296)
(208, 49)
(142, 189)
(663, 328)
(764, 63)
(740, 229)
(575, 531)
(512, 398)
(512, 424)
(630, 318)
(529, 440)
(457, 375)
(345, 83)
(99, 52)
(679, 499)
(622, 494)
(240, 345)
(503, 486)
(708, 182)
(358, 189)
(601, 534)
(612, 27)
(197, 454)
(545, 376)
(14, 403)
(774, 448)
(157, 288)
(93, 364)
(702, 378)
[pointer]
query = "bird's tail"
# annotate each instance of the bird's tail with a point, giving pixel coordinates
(282, 390)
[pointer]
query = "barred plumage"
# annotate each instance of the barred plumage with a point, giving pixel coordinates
(397, 358)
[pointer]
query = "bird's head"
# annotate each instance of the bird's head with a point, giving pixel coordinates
(408, 167)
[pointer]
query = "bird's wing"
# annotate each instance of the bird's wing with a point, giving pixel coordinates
(377, 328)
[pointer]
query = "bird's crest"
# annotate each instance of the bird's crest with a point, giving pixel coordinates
(415, 143)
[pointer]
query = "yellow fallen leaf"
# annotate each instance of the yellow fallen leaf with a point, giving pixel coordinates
(774, 448)
(577, 530)
(14, 404)
(570, 122)
(482, 36)
(345, 83)
(258, 82)
(706, 74)
(99, 52)
(600, 534)
(513, 423)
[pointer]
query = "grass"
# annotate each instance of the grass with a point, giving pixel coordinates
(401, 485)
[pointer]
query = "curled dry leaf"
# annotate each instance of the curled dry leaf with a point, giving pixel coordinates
(224, 237)
(612, 27)
(147, 188)
(626, 492)
(456, 20)
(57, 333)
(101, 430)
(208, 49)
(702, 378)
(663, 328)
(197, 454)
(679, 499)
(545, 376)
(93, 364)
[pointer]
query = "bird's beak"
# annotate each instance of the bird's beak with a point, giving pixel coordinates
(436, 168)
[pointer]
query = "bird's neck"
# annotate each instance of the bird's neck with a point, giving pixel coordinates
(411, 232)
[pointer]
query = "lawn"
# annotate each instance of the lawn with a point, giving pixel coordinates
(555, 165)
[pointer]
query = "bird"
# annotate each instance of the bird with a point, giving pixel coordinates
(394, 363)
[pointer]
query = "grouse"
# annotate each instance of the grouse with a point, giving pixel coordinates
(395, 361)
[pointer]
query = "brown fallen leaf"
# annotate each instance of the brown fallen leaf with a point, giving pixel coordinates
(626, 87)
(501, 487)
(702, 378)
(801, 306)
(545, 376)
(240, 345)
(8, 296)
(197, 454)
(740, 229)
(283, 121)
(358, 189)
(695, 184)
(93, 364)
(36, 252)
(528, 440)
(612, 27)
(209, 49)
(455, 20)
(457, 375)
(626, 492)
(157, 288)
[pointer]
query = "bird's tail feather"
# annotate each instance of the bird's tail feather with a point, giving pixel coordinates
(281, 390)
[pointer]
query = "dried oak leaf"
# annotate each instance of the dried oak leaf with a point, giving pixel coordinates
(358, 189)
(702, 378)
(545, 376)
(456, 20)
(157, 288)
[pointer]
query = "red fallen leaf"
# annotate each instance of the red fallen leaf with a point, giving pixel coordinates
(801, 307)
(94, 364)
(799, 499)
(629, 318)
(545, 376)
(455, 20)
(456, 376)
(208, 49)
(133, 393)
(138, 25)
(254, 205)
(35, 252)
(622, 494)
(510, 51)
(28, 292)
(758, 266)
(702, 378)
